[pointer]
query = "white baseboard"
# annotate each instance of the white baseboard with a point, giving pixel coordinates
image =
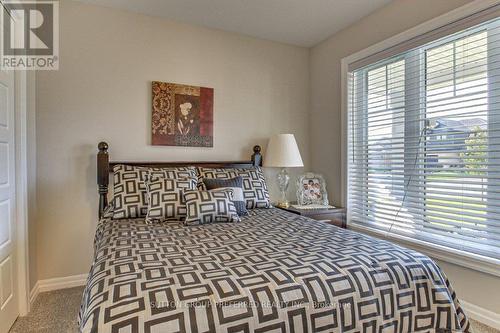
(482, 315)
(56, 284)
(34, 294)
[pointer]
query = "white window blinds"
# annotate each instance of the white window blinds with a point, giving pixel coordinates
(424, 142)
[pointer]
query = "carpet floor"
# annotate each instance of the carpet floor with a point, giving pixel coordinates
(52, 312)
(57, 311)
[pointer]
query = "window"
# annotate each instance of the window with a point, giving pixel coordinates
(424, 142)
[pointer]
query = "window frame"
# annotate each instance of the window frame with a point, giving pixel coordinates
(462, 258)
(414, 78)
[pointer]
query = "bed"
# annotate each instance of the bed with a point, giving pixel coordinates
(272, 272)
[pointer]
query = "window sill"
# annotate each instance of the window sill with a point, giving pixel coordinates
(457, 257)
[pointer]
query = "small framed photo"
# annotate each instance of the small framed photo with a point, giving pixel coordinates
(311, 189)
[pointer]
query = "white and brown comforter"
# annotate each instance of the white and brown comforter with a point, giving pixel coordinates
(273, 272)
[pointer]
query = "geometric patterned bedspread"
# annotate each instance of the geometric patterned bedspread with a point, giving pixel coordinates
(272, 272)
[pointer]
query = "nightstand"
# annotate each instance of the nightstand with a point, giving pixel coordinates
(335, 216)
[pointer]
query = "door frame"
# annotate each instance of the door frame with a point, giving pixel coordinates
(21, 165)
(21, 129)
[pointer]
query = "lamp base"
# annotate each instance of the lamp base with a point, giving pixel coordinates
(283, 181)
(285, 204)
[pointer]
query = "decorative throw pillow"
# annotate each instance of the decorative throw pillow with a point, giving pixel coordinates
(166, 198)
(255, 190)
(209, 206)
(129, 188)
(236, 185)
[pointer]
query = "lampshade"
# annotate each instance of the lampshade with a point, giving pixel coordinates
(283, 152)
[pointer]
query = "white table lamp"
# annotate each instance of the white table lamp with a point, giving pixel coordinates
(283, 152)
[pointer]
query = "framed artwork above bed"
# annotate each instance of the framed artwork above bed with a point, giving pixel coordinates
(182, 115)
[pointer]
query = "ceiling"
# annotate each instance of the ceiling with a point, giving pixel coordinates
(297, 22)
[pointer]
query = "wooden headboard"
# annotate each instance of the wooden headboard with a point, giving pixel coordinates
(104, 167)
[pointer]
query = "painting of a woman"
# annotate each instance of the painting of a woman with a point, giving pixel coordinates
(186, 118)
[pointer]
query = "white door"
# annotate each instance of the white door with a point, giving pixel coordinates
(9, 309)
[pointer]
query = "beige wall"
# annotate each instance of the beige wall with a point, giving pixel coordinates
(108, 59)
(325, 126)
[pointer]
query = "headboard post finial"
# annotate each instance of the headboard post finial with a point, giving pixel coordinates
(257, 156)
(102, 175)
(103, 146)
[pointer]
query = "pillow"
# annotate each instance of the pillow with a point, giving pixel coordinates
(236, 185)
(107, 214)
(129, 189)
(255, 190)
(166, 199)
(209, 206)
(173, 173)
